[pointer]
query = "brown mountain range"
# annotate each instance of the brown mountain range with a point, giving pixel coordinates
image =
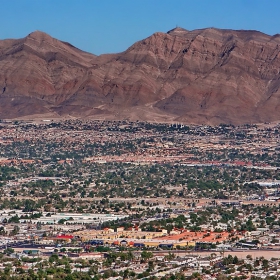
(208, 76)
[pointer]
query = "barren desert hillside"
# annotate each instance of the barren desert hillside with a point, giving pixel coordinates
(206, 76)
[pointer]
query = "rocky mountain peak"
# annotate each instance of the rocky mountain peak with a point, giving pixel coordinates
(39, 35)
(177, 31)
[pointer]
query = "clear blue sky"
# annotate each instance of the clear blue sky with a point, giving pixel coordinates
(103, 26)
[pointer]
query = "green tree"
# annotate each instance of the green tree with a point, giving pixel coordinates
(145, 255)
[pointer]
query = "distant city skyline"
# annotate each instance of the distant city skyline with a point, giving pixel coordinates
(107, 26)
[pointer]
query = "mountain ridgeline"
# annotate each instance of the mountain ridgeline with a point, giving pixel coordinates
(206, 76)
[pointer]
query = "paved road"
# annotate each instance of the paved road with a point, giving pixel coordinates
(268, 253)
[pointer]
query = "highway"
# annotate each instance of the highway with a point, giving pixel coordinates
(265, 252)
